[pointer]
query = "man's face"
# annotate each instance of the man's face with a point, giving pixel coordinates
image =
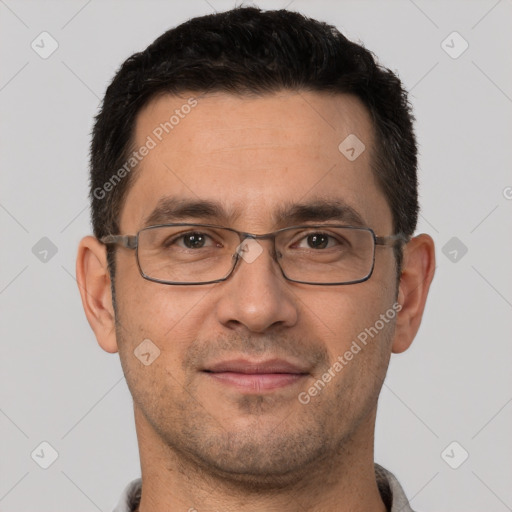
(255, 156)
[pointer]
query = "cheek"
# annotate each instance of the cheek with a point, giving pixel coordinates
(362, 330)
(338, 315)
(154, 309)
(154, 332)
(158, 320)
(359, 349)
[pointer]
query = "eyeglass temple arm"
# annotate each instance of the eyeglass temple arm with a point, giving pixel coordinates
(392, 240)
(128, 241)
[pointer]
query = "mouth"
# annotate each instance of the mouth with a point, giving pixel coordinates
(256, 376)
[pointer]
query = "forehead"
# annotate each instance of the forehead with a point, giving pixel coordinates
(253, 155)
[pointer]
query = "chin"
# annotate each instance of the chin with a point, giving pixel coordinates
(274, 458)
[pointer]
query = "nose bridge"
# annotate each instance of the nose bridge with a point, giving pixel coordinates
(251, 247)
(256, 292)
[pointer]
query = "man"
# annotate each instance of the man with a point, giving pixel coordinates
(254, 197)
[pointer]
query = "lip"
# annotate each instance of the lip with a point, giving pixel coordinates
(253, 376)
(256, 367)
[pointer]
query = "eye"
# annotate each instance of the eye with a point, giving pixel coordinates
(319, 240)
(192, 240)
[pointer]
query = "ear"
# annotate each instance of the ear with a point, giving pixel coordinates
(94, 284)
(417, 273)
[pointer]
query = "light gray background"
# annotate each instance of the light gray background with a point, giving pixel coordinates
(454, 384)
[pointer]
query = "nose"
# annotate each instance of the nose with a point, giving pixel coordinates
(256, 296)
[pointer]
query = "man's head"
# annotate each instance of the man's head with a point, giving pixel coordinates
(245, 117)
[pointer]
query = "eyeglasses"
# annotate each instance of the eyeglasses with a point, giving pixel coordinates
(193, 254)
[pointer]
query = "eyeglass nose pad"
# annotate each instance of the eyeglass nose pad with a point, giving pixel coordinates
(276, 255)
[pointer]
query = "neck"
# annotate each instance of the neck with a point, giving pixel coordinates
(342, 481)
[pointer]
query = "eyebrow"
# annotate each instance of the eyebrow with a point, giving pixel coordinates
(174, 209)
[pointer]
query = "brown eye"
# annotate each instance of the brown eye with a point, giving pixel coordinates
(318, 241)
(190, 240)
(194, 240)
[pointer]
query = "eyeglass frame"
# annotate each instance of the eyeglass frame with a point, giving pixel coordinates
(132, 242)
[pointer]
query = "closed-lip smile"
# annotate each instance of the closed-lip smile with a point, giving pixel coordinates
(254, 376)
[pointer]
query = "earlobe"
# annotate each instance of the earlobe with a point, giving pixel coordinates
(95, 290)
(417, 274)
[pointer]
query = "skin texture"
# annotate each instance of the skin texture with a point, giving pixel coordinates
(210, 446)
